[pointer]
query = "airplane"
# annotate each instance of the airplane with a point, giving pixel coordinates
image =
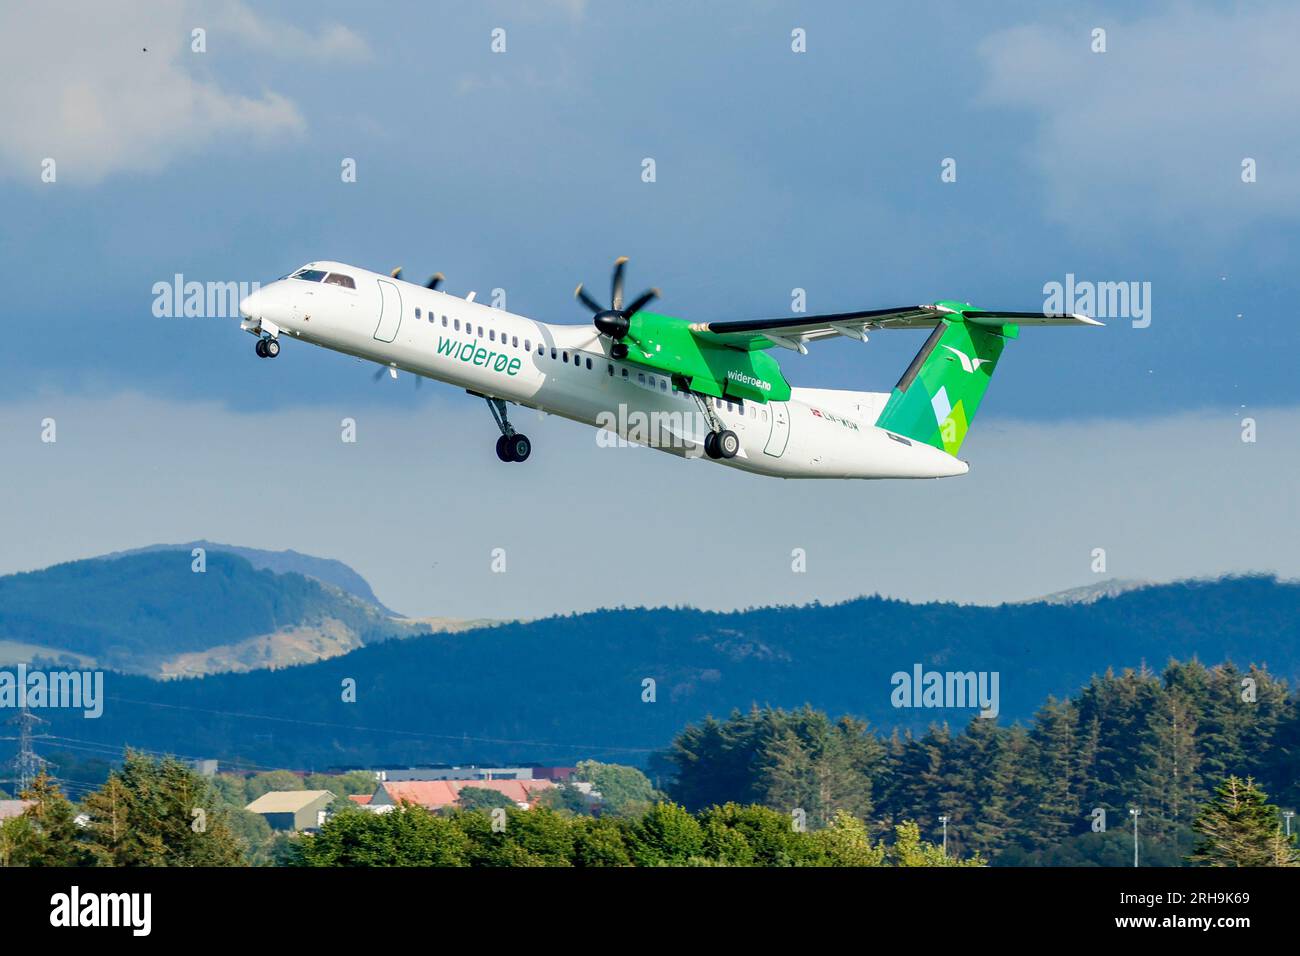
(694, 389)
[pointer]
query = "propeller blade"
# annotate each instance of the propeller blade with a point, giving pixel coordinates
(616, 284)
(379, 373)
(641, 301)
(435, 280)
(587, 300)
(396, 273)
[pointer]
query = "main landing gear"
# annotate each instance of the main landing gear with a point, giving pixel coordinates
(267, 348)
(511, 446)
(719, 442)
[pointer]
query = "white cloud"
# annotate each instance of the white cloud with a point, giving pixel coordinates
(111, 88)
(333, 42)
(1153, 131)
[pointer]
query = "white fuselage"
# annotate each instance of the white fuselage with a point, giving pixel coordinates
(566, 370)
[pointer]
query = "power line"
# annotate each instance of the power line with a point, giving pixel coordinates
(386, 730)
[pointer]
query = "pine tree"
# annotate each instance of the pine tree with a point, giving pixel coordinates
(1239, 827)
(1167, 775)
(52, 837)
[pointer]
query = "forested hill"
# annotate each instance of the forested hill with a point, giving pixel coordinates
(155, 613)
(565, 688)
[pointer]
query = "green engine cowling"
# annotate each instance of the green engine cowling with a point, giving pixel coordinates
(666, 344)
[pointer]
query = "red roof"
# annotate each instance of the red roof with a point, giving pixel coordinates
(361, 798)
(443, 793)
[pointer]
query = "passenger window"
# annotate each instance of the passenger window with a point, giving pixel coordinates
(458, 325)
(337, 278)
(528, 346)
(444, 321)
(417, 311)
(514, 341)
(625, 373)
(480, 331)
(663, 385)
(552, 351)
(611, 371)
(492, 335)
(640, 377)
(566, 357)
(588, 364)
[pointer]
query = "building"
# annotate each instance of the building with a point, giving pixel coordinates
(292, 809)
(13, 808)
(474, 772)
(397, 775)
(436, 794)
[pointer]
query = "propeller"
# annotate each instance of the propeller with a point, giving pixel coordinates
(615, 322)
(435, 280)
(392, 373)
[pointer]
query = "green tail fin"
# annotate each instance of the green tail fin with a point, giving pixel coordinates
(936, 399)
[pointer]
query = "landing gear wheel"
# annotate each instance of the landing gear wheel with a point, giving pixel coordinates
(503, 448)
(519, 447)
(260, 348)
(726, 444)
(270, 348)
(711, 445)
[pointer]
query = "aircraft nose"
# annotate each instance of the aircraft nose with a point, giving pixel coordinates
(250, 307)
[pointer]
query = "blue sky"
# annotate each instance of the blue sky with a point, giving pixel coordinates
(522, 170)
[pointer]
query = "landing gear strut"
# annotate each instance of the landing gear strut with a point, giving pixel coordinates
(720, 442)
(511, 446)
(267, 348)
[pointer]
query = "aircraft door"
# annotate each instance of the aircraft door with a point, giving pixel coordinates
(390, 311)
(779, 437)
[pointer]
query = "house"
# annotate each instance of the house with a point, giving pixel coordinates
(13, 808)
(435, 794)
(292, 809)
(361, 799)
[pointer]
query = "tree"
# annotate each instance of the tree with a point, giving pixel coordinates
(565, 798)
(846, 842)
(623, 790)
(1239, 827)
(667, 834)
(482, 798)
(601, 841)
(50, 835)
(910, 850)
(159, 812)
(407, 835)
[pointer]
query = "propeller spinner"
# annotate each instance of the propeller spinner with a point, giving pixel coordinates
(615, 321)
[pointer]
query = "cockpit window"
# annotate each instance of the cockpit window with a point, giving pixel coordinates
(338, 278)
(308, 275)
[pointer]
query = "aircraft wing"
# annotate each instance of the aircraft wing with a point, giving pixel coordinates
(793, 331)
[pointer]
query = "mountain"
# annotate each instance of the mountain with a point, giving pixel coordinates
(1112, 587)
(564, 688)
(150, 613)
(325, 570)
